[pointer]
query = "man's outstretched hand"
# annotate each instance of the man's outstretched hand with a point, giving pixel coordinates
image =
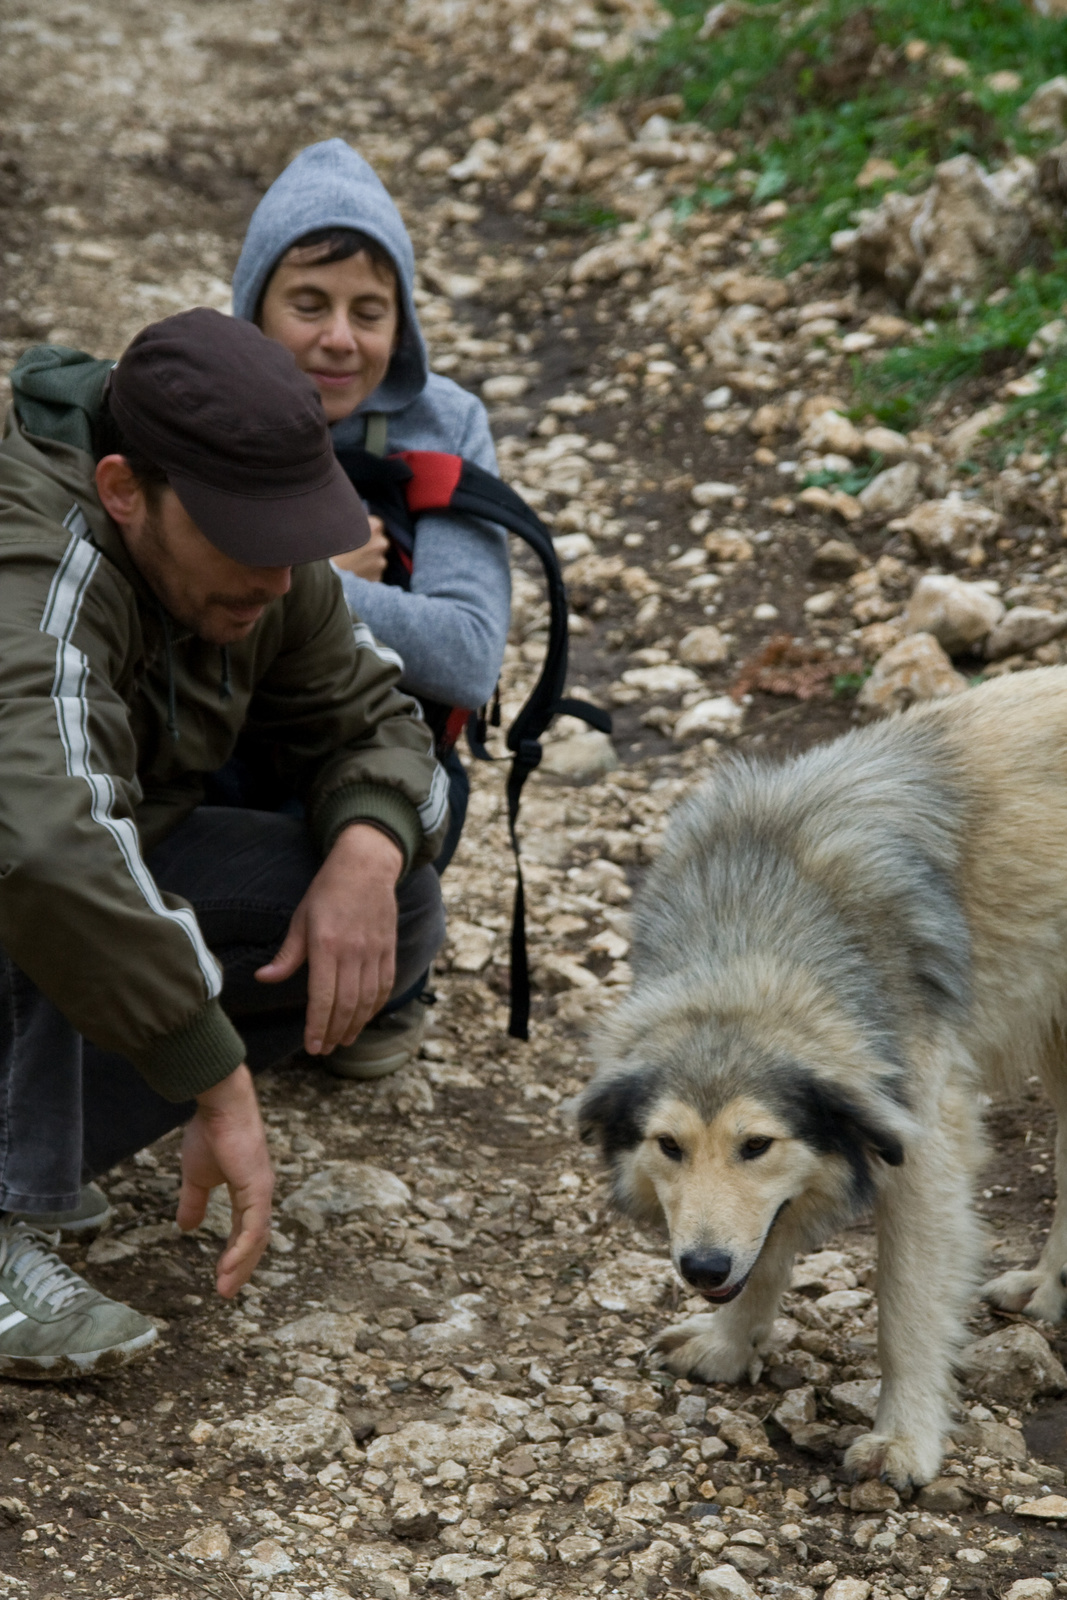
(225, 1143)
(345, 929)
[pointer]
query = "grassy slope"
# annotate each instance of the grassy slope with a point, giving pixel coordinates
(816, 90)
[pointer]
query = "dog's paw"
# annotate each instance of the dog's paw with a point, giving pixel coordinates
(1035, 1293)
(1012, 1290)
(696, 1348)
(904, 1462)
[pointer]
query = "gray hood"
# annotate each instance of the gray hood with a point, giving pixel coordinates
(329, 186)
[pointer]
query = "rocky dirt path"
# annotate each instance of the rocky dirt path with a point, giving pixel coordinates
(436, 1384)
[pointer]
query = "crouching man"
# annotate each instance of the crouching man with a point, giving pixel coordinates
(165, 601)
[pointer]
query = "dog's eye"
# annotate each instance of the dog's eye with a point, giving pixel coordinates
(670, 1147)
(755, 1147)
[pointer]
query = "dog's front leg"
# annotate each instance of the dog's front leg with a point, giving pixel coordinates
(928, 1254)
(727, 1345)
(1042, 1290)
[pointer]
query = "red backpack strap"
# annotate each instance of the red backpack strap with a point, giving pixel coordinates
(434, 479)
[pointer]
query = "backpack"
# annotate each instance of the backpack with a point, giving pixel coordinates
(402, 487)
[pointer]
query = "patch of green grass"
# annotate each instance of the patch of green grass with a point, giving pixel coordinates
(817, 89)
(853, 481)
(902, 385)
(580, 216)
(806, 92)
(707, 197)
(847, 684)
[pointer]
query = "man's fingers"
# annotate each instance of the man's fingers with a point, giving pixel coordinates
(248, 1240)
(291, 956)
(226, 1142)
(361, 994)
(322, 988)
(354, 1004)
(192, 1205)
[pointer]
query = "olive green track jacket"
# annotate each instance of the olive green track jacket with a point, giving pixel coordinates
(111, 715)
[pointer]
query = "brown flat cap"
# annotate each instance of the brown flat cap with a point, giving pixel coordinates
(241, 434)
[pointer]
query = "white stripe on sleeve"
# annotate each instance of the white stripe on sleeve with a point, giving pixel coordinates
(432, 810)
(69, 693)
(365, 640)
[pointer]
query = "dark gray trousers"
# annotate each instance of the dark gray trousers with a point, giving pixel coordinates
(69, 1111)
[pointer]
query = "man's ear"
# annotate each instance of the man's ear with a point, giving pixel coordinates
(120, 493)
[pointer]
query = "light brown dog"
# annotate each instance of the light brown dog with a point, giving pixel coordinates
(832, 959)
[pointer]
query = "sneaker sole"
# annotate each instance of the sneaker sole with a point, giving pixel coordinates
(45, 1369)
(72, 1230)
(367, 1071)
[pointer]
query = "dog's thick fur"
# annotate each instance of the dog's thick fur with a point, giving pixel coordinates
(832, 959)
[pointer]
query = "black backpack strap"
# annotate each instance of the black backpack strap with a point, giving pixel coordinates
(399, 488)
(478, 725)
(480, 494)
(382, 484)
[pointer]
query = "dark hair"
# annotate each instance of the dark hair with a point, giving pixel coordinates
(109, 440)
(337, 244)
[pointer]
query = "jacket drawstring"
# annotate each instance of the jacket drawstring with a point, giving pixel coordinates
(225, 691)
(172, 695)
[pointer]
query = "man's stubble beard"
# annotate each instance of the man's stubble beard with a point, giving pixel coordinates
(207, 619)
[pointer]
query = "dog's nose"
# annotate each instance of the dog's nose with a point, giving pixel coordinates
(706, 1269)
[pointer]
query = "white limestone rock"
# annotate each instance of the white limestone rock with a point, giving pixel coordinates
(719, 717)
(724, 1583)
(1046, 109)
(959, 615)
(580, 758)
(209, 1544)
(704, 647)
(1011, 1366)
(332, 1331)
(423, 1446)
(288, 1429)
(915, 669)
(1024, 628)
(630, 1281)
(831, 432)
(345, 1188)
(892, 492)
(948, 528)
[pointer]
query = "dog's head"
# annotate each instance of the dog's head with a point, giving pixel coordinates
(718, 1138)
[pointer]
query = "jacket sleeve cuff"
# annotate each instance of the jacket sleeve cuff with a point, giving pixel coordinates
(386, 808)
(194, 1057)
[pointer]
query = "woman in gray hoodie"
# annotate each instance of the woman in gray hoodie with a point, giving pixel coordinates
(328, 269)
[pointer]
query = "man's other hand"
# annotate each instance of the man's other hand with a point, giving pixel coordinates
(345, 929)
(225, 1143)
(369, 560)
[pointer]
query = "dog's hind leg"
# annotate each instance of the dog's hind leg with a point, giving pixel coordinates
(727, 1345)
(928, 1250)
(1040, 1292)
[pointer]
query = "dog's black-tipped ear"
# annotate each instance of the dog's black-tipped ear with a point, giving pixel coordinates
(829, 1120)
(884, 1144)
(612, 1109)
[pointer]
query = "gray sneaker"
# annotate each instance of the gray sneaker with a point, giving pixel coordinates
(385, 1045)
(52, 1323)
(92, 1213)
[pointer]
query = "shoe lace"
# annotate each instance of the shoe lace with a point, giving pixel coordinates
(26, 1258)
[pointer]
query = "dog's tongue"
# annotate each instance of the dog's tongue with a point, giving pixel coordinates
(720, 1296)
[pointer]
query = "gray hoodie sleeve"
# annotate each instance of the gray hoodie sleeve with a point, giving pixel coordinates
(452, 625)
